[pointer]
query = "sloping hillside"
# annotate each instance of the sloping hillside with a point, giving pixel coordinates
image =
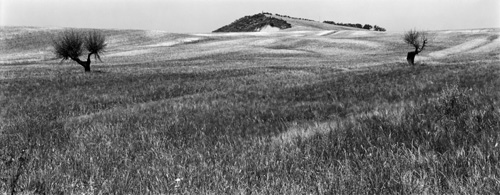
(302, 24)
(254, 23)
(31, 45)
(258, 22)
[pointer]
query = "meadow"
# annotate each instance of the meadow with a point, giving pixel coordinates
(305, 112)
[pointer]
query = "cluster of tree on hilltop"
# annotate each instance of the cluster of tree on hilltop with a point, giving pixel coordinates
(254, 23)
(285, 16)
(366, 26)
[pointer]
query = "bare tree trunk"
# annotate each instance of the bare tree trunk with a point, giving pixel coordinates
(86, 67)
(411, 58)
(85, 64)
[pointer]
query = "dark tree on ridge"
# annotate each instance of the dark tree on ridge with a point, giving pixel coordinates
(71, 44)
(417, 39)
(367, 27)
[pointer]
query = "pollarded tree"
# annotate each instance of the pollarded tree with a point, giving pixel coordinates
(71, 44)
(417, 39)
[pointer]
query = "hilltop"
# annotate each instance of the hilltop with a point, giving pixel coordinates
(276, 22)
(254, 23)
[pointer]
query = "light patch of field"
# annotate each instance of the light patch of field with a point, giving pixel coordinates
(130, 53)
(324, 33)
(493, 46)
(235, 34)
(359, 43)
(264, 42)
(32, 56)
(175, 42)
(269, 28)
(281, 51)
(13, 31)
(307, 130)
(117, 39)
(359, 33)
(464, 47)
(468, 31)
(155, 33)
(224, 44)
(304, 131)
(301, 33)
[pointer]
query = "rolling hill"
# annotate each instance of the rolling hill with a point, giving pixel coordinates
(308, 109)
(254, 23)
(275, 22)
(299, 24)
(31, 45)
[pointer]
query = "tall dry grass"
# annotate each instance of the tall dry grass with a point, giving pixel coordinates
(430, 129)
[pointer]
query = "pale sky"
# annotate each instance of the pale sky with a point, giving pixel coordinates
(188, 16)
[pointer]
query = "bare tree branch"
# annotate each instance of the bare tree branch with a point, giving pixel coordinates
(95, 43)
(417, 39)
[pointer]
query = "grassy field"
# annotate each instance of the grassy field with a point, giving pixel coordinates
(309, 112)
